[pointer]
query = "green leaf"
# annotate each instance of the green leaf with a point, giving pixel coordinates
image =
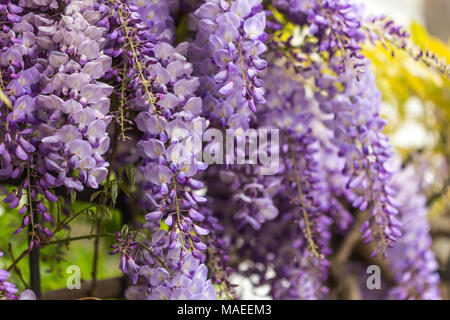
(114, 192)
(91, 214)
(131, 174)
(182, 28)
(124, 188)
(107, 214)
(73, 197)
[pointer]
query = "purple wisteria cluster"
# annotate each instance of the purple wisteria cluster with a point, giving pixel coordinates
(252, 195)
(92, 89)
(297, 199)
(230, 72)
(391, 35)
(170, 274)
(157, 16)
(8, 290)
(168, 111)
(55, 132)
(357, 133)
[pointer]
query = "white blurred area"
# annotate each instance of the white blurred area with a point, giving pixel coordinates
(402, 11)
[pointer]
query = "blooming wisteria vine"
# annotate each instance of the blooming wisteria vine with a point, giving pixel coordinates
(114, 98)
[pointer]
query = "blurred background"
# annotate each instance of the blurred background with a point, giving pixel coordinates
(416, 103)
(434, 14)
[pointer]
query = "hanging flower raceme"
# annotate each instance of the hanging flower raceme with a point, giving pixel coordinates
(302, 197)
(168, 119)
(156, 15)
(125, 246)
(170, 274)
(252, 195)
(230, 72)
(357, 133)
(412, 260)
(56, 129)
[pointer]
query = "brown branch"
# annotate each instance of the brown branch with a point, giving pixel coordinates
(15, 262)
(346, 285)
(346, 248)
(365, 251)
(350, 288)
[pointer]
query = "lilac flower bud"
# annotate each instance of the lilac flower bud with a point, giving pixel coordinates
(195, 215)
(153, 216)
(227, 88)
(201, 231)
(50, 196)
(21, 154)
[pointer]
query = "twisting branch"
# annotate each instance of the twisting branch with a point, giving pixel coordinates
(440, 227)
(89, 236)
(345, 250)
(18, 259)
(436, 196)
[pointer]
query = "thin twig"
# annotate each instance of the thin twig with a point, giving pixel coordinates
(436, 196)
(89, 236)
(138, 64)
(312, 244)
(345, 250)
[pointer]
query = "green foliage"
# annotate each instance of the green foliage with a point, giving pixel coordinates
(55, 259)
